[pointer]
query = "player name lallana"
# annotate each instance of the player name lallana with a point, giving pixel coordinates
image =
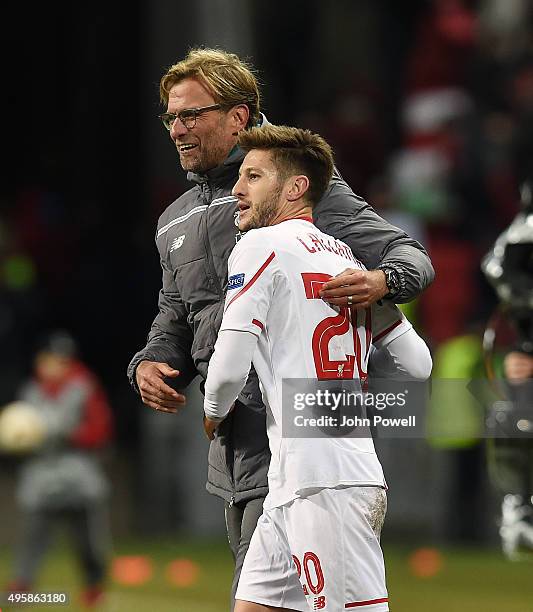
(315, 244)
(355, 421)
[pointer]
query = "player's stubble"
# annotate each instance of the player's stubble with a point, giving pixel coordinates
(262, 212)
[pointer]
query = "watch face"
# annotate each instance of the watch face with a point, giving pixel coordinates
(392, 282)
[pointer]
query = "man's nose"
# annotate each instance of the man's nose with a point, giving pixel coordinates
(177, 129)
(237, 189)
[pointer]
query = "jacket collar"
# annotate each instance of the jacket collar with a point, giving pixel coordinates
(226, 169)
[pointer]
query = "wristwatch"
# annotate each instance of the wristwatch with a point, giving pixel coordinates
(392, 280)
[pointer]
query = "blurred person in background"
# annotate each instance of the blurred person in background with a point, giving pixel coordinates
(62, 479)
(509, 268)
(210, 97)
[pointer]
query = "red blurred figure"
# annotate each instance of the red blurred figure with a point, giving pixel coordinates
(62, 480)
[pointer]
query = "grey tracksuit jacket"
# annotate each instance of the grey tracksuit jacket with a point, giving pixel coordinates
(195, 236)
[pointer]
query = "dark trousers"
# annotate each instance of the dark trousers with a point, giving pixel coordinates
(89, 528)
(241, 520)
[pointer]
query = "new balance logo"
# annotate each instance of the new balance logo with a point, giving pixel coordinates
(177, 242)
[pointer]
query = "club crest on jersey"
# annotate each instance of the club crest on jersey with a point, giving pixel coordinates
(239, 234)
(236, 281)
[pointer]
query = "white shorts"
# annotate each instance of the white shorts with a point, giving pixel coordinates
(319, 552)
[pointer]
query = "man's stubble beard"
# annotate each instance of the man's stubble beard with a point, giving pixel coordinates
(212, 153)
(207, 160)
(264, 213)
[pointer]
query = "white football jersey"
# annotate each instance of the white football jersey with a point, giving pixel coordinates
(275, 275)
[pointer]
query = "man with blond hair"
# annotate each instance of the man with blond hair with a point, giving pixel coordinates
(210, 97)
(318, 536)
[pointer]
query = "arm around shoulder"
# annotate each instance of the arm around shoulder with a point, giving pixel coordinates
(373, 240)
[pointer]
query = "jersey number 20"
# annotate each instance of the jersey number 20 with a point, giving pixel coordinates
(354, 365)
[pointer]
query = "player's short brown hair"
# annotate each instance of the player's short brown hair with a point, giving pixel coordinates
(294, 151)
(230, 80)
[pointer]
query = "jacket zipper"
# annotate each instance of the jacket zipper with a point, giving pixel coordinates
(207, 193)
(212, 273)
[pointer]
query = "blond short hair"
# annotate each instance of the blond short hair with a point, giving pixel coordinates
(230, 80)
(294, 151)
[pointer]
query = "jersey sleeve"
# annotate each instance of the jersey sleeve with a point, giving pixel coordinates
(252, 276)
(406, 356)
(388, 323)
(228, 371)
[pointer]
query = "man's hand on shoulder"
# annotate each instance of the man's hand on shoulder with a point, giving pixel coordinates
(150, 376)
(352, 287)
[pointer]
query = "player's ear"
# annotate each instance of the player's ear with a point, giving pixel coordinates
(297, 187)
(239, 116)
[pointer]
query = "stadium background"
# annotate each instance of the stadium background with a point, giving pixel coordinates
(429, 107)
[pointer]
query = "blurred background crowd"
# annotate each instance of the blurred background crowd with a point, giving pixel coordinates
(428, 105)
